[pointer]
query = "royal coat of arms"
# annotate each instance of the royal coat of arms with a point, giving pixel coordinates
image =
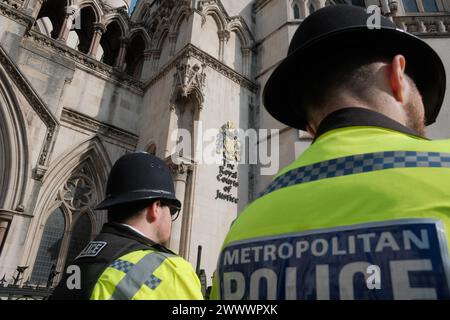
(228, 143)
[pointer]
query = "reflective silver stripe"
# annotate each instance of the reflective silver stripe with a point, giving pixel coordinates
(138, 275)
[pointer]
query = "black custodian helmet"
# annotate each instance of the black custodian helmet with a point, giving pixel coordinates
(138, 176)
(343, 29)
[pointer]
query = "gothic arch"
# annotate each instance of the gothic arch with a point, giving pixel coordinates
(217, 15)
(144, 10)
(134, 57)
(140, 31)
(118, 18)
(93, 5)
(186, 113)
(50, 17)
(111, 40)
(91, 154)
(297, 9)
(14, 163)
(55, 209)
(178, 18)
(312, 6)
(84, 35)
(161, 38)
(243, 34)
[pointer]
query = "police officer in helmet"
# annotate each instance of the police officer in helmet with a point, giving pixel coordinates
(364, 212)
(127, 260)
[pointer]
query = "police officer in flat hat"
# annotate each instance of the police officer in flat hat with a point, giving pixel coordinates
(127, 260)
(364, 212)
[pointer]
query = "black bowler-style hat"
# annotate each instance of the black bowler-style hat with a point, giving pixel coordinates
(344, 29)
(137, 177)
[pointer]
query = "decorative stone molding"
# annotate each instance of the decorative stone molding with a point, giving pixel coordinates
(39, 172)
(166, 10)
(128, 139)
(99, 27)
(38, 106)
(259, 4)
(78, 192)
(172, 37)
(10, 10)
(27, 90)
(179, 169)
(189, 80)
(148, 54)
(16, 4)
(226, 24)
(122, 11)
(85, 62)
(435, 25)
(191, 51)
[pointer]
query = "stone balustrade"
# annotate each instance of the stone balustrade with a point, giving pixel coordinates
(425, 24)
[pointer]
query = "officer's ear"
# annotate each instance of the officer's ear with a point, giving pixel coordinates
(311, 130)
(153, 211)
(397, 78)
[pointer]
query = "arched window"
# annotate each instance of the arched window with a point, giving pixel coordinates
(50, 18)
(49, 248)
(296, 10)
(110, 43)
(134, 58)
(81, 235)
(410, 6)
(430, 6)
(86, 32)
(186, 113)
(63, 240)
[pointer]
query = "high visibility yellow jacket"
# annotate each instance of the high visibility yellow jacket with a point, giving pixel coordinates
(148, 275)
(363, 213)
(123, 265)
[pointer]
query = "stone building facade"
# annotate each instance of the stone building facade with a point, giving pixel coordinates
(82, 82)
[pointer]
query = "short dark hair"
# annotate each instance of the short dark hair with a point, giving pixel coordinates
(353, 74)
(122, 213)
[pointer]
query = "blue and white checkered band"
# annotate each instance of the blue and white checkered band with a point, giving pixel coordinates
(360, 163)
(153, 282)
(400, 260)
(122, 265)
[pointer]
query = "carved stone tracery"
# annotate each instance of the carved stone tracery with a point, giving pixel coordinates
(78, 193)
(189, 81)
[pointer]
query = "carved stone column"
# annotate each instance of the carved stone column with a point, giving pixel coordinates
(246, 61)
(147, 68)
(3, 230)
(180, 174)
(99, 30)
(35, 6)
(156, 54)
(65, 28)
(441, 26)
(421, 26)
(304, 9)
(172, 37)
(122, 53)
(224, 36)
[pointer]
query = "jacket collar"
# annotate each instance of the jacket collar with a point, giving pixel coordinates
(354, 116)
(123, 231)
